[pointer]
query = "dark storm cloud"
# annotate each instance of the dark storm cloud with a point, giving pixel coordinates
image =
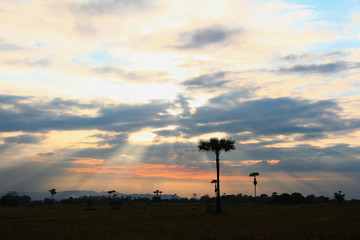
(7, 47)
(99, 7)
(202, 37)
(24, 139)
(326, 68)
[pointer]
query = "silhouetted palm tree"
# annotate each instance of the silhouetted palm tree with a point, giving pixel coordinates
(214, 181)
(217, 146)
(52, 192)
(254, 174)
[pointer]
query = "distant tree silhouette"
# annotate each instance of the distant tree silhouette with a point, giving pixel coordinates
(157, 192)
(284, 198)
(11, 199)
(157, 197)
(254, 174)
(339, 196)
(205, 198)
(214, 181)
(52, 192)
(111, 193)
(194, 199)
(297, 198)
(217, 146)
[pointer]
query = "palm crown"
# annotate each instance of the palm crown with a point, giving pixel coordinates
(217, 146)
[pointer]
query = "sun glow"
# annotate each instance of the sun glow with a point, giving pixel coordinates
(144, 136)
(208, 135)
(149, 135)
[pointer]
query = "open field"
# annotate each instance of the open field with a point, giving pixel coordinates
(181, 221)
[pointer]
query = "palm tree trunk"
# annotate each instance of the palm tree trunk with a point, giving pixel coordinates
(218, 204)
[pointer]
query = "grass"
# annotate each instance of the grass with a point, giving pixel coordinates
(181, 221)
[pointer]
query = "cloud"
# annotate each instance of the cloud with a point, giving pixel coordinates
(326, 68)
(268, 117)
(110, 139)
(95, 153)
(31, 62)
(203, 37)
(129, 75)
(7, 47)
(225, 113)
(24, 139)
(104, 70)
(100, 8)
(58, 103)
(311, 56)
(46, 154)
(59, 114)
(338, 158)
(85, 27)
(214, 80)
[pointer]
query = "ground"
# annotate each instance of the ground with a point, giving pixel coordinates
(181, 221)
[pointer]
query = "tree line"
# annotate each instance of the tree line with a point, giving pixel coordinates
(13, 199)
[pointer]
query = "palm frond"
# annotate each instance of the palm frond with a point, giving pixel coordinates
(216, 145)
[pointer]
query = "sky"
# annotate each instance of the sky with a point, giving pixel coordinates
(115, 94)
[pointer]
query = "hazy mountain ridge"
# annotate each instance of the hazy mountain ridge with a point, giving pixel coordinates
(77, 193)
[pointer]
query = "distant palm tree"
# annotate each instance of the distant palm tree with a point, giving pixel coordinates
(254, 174)
(52, 192)
(217, 146)
(214, 181)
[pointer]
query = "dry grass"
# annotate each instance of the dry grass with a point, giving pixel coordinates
(181, 221)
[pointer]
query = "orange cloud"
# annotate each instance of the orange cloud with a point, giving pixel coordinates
(89, 161)
(144, 170)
